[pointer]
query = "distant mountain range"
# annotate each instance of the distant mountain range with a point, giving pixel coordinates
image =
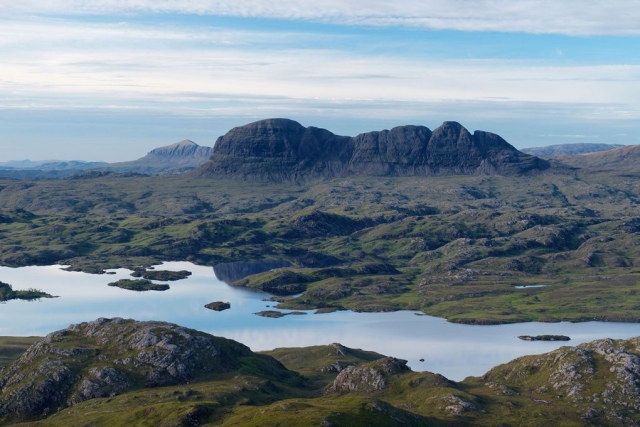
(570, 149)
(168, 160)
(625, 158)
(48, 164)
(280, 150)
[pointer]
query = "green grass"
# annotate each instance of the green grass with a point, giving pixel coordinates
(462, 243)
(12, 348)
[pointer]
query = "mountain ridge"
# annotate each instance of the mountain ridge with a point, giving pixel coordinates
(281, 150)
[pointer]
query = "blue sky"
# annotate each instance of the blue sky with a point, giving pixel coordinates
(110, 80)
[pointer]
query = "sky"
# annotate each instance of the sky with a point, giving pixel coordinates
(109, 80)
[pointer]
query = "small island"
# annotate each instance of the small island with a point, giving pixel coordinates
(139, 285)
(218, 306)
(163, 275)
(277, 314)
(544, 338)
(7, 293)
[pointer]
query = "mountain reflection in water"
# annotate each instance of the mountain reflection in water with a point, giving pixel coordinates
(230, 272)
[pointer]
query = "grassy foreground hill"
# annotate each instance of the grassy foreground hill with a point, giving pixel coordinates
(121, 372)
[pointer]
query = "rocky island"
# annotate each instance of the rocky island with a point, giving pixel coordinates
(218, 306)
(140, 285)
(544, 338)
(7, 293)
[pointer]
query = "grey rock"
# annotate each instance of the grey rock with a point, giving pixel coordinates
(280, 150)
(108, 357)
(368, 378)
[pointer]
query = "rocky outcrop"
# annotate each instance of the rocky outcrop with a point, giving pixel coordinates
(601, 379)
(368, 378)
(108, 357)
(283, 150)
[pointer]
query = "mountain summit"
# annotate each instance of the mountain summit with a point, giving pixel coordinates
(284, 150)
(181, 152)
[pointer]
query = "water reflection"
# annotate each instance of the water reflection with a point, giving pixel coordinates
(230, 272)
(453, 350)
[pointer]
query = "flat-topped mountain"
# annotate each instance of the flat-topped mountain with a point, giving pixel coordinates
(284, 150)
(569, 149)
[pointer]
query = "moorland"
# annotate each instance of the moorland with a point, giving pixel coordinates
(120, 372)
(453, 224)
(498, 237)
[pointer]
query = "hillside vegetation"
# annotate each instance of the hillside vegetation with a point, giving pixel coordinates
(452, 246)
(121, 372)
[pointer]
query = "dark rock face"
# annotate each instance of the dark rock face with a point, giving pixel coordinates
(108, 357)
(233, 271)
(283, 150)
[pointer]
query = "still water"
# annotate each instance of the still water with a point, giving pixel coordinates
(455, 351)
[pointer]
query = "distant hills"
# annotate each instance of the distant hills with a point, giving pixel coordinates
(623, 158)
(172, 159)
(280, 150)
(569, 149)
(48, 164)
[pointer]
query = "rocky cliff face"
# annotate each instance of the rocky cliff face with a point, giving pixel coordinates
(283, 150)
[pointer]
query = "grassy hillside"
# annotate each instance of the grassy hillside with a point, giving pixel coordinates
(592, 384)
(460, 247)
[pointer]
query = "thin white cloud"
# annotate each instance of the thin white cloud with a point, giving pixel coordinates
(572, 17)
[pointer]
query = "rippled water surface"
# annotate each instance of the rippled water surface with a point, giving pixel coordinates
(453, 350)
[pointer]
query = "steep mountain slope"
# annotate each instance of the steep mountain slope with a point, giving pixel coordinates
(282, 150)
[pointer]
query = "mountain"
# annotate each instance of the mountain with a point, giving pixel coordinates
(626, 158)
(168, 160)
(108, 357)
(172, 159)
(281, 150)
(569, 149)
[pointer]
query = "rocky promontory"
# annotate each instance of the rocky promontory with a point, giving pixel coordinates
(108, 357)
(280, 150)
